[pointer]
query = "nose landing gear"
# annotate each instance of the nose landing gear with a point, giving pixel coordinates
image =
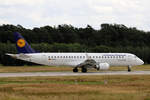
(129, 68)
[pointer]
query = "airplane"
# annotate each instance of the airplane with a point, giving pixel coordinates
(99, 61)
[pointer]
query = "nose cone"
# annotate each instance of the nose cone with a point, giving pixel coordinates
(139, 61)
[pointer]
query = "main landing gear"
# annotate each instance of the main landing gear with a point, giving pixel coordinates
(129, 68)
(75, 69)
(83, 70)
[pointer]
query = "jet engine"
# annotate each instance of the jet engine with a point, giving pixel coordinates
(103, 66)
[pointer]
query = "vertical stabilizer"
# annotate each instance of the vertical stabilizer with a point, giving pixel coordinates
(22, 45)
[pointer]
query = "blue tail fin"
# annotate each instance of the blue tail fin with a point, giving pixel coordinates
(22, 45)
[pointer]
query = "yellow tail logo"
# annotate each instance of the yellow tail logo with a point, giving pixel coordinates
(21, 43)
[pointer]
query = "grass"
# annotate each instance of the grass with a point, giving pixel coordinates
(135, 87)
(4, 69)
(60, 69)
(106, 87)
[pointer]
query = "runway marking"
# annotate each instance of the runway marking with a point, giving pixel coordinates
(30, 74)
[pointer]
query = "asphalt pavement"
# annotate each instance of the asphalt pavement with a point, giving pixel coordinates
(30, 74)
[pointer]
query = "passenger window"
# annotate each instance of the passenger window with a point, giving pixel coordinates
(49, 58)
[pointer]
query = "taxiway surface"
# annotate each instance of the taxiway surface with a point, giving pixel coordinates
(29, 74)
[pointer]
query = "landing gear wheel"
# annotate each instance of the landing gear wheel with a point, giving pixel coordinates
(84, 70)
(129, 68)
(75, 70)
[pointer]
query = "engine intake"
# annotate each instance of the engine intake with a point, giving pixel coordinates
(103, 66)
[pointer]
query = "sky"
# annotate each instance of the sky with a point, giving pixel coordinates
(79, 13)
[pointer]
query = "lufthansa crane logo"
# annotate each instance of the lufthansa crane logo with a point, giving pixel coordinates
(21, 43)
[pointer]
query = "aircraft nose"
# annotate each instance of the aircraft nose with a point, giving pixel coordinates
(140, 62)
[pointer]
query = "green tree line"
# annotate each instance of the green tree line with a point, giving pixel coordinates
(66, 38)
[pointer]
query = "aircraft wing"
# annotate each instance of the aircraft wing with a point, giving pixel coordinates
(89, 63)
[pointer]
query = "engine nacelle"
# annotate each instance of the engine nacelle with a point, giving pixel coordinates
(103, 66)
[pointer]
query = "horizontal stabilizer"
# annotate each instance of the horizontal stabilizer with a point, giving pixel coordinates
(12, 55)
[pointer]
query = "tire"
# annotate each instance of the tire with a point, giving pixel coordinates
(129, 69)
(84, 70)
(75, 70)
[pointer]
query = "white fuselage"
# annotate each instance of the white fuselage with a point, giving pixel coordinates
(73, 59)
